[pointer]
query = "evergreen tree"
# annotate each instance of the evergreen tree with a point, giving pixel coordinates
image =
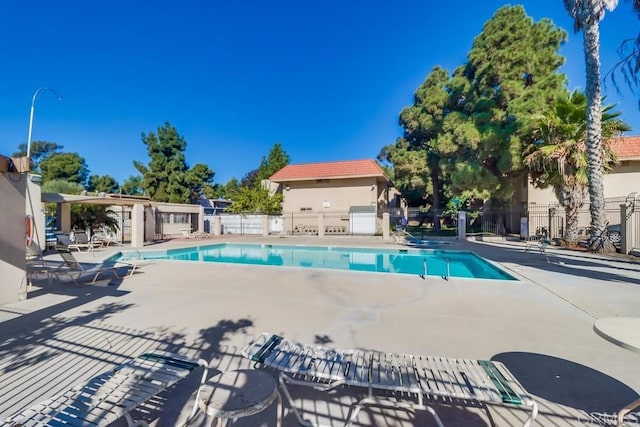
(65, 166)
(40, 150)
(408, 171)
(511, 75)
(103, 183)
(423, 125)
(167, 178)
(133, 186)
(272, 163)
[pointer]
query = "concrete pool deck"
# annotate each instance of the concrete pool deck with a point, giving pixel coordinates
(541, 327)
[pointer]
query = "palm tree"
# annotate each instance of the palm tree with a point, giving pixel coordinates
(587, 15)
(94, 217)
(559, 159)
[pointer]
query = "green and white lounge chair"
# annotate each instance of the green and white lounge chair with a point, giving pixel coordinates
(112, 395)
(437, 378)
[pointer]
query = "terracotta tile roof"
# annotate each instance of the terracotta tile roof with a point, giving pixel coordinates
(627, 147)
(325, 170)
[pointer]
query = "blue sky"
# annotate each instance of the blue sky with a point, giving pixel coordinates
(325, 79)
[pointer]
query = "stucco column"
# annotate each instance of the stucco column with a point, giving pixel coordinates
(64, 217)
(386, 226)
(321, 225)
(13, 286)
(34, 208)
(217, 225)
(201, 219)
(137, 226)
(265, 225)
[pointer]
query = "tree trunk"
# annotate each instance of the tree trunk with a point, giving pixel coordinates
(571, 196)
(571, 229)
(591, 37)
(435, 206)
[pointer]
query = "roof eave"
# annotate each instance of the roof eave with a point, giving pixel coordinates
(328, 177)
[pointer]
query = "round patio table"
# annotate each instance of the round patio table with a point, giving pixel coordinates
(623, 331)
(239, 393)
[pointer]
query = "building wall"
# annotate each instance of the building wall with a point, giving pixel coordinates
(624, 179)
(12, 237)
(181, 217)
(335, 195)
(620, 182)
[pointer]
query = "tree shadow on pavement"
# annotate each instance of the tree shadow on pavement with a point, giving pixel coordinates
(567, 383)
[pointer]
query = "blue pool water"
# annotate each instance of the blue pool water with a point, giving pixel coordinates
(437, 262)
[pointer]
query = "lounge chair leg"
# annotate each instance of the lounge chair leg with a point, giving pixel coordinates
(532, 417)
(133, 423)
(353, 412)
(205, 374)
(624, 411)
(283, 379)
(384, 403)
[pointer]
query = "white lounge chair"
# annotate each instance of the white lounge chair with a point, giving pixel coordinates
(404, 375)
(540, 244)
(76, 271)
(105, 238)
(112, 395)
(193, 234)
(81, 241)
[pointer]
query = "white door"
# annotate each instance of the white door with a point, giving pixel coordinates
(276, 224)
(362, 223)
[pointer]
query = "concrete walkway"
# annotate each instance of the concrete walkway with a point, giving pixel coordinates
(541, 327)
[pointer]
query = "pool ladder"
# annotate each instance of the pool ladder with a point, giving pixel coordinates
(424, 269)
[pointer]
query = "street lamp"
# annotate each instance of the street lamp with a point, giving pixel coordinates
(33, 104)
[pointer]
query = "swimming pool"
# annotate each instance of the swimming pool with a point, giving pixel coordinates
(435, 262)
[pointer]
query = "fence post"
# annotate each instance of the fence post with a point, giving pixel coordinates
(552, 213)
(265, 225)
(386, 225)
(462, 225)
(320, 225)
(625, 236)
(217, 225)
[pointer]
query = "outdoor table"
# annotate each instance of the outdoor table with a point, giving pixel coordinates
(625, 332)
(239, 393)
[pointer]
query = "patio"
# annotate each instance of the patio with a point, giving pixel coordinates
(540, 327)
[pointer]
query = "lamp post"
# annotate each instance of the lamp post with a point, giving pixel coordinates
(33, 104)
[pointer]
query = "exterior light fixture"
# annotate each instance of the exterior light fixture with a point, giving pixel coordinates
(33, 104)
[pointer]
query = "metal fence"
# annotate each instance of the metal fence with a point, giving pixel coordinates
(524, 220)
(550, 218)
(241, 224)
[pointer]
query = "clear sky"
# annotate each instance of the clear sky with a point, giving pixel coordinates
(325, 79)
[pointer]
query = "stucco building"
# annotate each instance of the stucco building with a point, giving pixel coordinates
(344, 196)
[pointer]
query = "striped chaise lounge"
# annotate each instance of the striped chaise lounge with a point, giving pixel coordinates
(441, 380)
(112, 395)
